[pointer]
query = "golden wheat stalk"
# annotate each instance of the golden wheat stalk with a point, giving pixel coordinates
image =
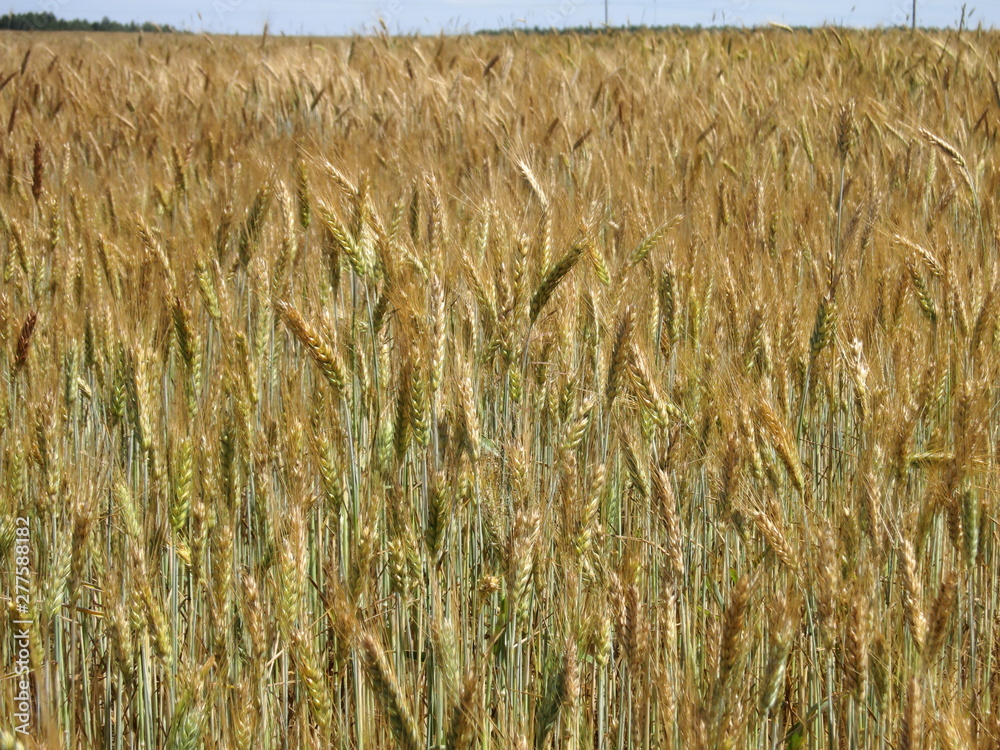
(317, 348)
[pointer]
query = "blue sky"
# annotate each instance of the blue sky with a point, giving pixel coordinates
(323, 17)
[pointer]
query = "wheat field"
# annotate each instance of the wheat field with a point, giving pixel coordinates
(619, 390)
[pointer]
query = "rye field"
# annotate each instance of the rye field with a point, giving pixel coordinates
(616, 390)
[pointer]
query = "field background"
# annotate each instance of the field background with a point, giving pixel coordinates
(503, 392)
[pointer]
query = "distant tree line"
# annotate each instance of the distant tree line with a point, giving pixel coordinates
(49, 22)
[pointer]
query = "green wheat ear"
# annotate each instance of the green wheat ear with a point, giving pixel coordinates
(552, 279)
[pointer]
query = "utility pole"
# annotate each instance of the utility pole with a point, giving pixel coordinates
(913, 16)
(606, 11)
